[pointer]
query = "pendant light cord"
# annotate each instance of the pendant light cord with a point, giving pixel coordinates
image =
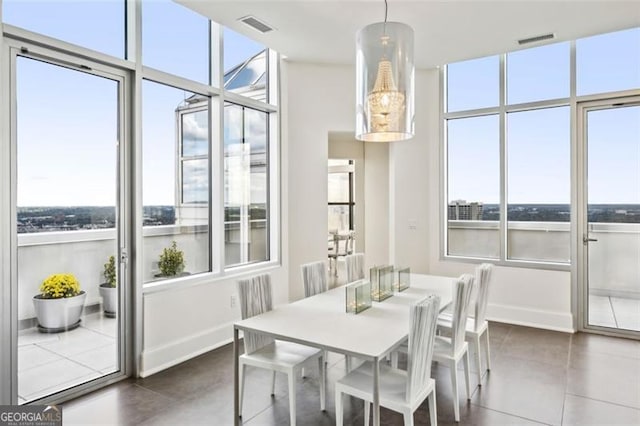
(384, 26)
(385, 11)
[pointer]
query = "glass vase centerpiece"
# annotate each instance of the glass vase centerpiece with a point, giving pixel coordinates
(381, 282)
(358, 296)
(402, 279)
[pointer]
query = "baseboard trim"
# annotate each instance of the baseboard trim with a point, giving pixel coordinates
(536, 318)
(160, 358)
(624, 294)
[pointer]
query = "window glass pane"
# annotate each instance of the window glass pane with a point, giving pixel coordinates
(195, 133)
(473, 84)
(195, 181)
(608, 62)
(538, 74)
(175, 40)
(67, 199)
(245, 65)
(538, 185)
(473, 186)
(96, 25)
(246, 185)
(338, 188)
(166, 217)
(338, 218)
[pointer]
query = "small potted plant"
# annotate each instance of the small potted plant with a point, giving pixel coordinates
(108, 289)
(171, 262)
(59, 305)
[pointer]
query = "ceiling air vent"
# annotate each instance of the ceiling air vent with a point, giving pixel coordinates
(256, 24)
(536, 39)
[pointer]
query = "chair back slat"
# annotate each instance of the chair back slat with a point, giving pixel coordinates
(483, 277)
(255, 295)
(355, 267)
(314, 278)
(422, 332)
(461, 302)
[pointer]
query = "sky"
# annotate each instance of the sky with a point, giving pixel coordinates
(52, 100)
(538, 142)
(175, 40)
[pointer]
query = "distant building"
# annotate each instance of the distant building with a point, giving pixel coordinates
(462, 210)
(249, 79)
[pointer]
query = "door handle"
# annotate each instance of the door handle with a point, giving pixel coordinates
(587, 240)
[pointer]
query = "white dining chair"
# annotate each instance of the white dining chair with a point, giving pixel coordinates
(477, 326)
(342, 246)
(255, 295)
(400, 391)
(450, 350)
(314, 278)
(355, 267)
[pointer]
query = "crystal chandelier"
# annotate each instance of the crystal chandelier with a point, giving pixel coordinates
(385, 82)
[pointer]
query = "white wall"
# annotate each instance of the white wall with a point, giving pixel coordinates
(320, 99)
(187, 320)
(540, 298)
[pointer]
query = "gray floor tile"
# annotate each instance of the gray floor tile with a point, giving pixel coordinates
(605, 377)
(551, 347)
(524, 388)
(583, 411)
(587, 342)
(121, 404)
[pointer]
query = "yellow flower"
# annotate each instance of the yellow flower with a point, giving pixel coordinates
(57, 286)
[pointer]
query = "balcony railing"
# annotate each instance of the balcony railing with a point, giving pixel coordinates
(613, 259)
(84, 253)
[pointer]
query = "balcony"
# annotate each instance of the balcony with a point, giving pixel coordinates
(51, 362)
(614, 275)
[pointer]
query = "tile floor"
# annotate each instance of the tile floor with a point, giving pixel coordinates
(48, 363)
(537, 377)
(51, 362)
(615, 312)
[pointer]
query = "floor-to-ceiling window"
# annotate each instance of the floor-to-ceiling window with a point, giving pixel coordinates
(116, 146)
(513, 125)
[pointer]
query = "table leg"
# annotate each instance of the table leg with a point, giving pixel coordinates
(376, 391)
(236, 378)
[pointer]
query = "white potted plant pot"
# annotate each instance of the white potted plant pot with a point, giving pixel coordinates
(109, 299)
(55, 315)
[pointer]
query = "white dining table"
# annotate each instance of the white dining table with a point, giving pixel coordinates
(321, 321)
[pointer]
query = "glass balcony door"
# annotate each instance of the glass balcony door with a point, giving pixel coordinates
(67, 131)
(610, 228)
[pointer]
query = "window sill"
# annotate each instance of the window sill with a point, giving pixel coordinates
(527, 264)
(208, 277)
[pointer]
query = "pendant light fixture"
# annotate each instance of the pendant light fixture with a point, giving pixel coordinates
(384, 82)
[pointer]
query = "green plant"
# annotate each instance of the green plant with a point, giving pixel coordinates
(57, 286)
(171, 261)
(109, 271)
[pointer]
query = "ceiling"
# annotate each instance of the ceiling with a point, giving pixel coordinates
(323, 31)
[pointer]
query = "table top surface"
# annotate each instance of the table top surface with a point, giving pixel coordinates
(321, 320)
